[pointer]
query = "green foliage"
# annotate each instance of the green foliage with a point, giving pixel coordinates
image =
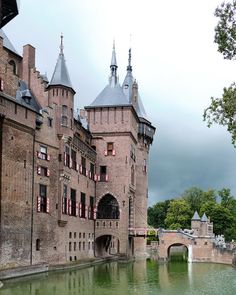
(178, 215)
(225, 31)
(219, 206)
(223, 111)
(157, 214)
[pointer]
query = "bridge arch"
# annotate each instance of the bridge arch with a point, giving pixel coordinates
(175, 245)
(106, 245)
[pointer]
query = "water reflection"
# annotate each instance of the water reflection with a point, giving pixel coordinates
(140, 277)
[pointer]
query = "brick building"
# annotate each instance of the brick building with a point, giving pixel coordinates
(71, 185)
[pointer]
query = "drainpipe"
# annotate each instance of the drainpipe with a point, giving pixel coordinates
(32, 202)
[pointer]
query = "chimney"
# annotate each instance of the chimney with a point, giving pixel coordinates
(28, 62)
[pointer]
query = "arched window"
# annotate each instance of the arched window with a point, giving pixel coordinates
(108, 208)
(13, 64)
(132, 175)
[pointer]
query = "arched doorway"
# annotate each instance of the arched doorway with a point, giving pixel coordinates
(178, 252)
(108, 208)
(107, 245)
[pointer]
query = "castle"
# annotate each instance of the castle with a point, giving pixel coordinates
(72, 186)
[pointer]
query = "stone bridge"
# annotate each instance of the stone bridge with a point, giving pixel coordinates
(199, 248)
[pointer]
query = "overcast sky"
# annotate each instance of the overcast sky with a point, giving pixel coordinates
(175, 62)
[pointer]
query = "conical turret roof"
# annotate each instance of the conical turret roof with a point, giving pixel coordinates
(196, 216)
(60, 75)
(204, 218)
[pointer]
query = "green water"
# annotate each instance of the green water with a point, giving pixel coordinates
(140, 277)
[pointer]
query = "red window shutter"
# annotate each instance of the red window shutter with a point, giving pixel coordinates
(39, 170)
(38, 204)
(106, 177)
(80, 169)
(90, 174)
(77, 209)
(113, 152)
(48, 157)
(2, 85)
(48, 172)
(63, 205)
(65, 159)
(95, 213)
(69, 207)
(47, 207)
(89, 212)
(38, 154)
(70, 163)
(77, 167)
(105, 153)
(86, 211)
(80, 209)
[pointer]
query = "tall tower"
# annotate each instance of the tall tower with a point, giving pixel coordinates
(122, 140)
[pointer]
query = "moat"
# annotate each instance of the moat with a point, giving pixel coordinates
(139, 277)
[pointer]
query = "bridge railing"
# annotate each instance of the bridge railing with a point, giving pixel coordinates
(143, 232)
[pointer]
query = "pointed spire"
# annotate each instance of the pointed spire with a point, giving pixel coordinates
(204, 217)
(196, 216)
(113, 57)
(60, 75)
(113, 78)
(129, 67)
(61, 45)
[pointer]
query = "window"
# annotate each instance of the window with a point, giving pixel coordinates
(74, 246)
(91, 208)
(37, 244)
(73, 202)
(82, 205)
(70, 235)
(83, 165)
(79, 246)
(74, 235)
(43, 202)
(49, 122)
(70, 246)
(43, 171)
(13, 64)
(73, 158)
(92, 171)
(103, 173)
(64, 116)
(15, 108)
(67, 156)
(64, 200)
(110, 147)
(83, 245)
(43, 153)
(26, 113)
(132, 175)
(132, 153)
(145, 166)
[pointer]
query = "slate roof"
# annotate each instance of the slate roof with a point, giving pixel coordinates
(60, 75)
(204, 218)
(110, 96)
(25, 97)
(196, 216)
(7, 43)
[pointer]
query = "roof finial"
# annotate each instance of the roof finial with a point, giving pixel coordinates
(113, 58)
(61, 45)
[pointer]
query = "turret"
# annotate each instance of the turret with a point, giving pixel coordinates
(196, 224)
(61, 93)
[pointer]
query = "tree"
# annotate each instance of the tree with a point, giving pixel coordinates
(223, 110)
(157, 214)
(178, 215)
(193, 196)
